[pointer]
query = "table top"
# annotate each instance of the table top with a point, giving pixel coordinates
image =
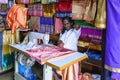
(58, 63)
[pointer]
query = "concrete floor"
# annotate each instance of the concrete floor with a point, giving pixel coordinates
(7, 75)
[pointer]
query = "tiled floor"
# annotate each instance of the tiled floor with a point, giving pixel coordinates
(7, 76)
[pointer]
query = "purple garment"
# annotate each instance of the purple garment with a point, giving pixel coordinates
(112, 59)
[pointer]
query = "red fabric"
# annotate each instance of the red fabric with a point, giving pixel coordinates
(64, 6)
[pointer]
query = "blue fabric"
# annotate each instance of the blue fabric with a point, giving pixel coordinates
(26, 72)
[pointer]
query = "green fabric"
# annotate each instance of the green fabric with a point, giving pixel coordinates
(82, 23)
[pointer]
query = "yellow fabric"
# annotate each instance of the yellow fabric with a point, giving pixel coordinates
(49, 10)
(112, 69)
(100, 21)
(9, 38)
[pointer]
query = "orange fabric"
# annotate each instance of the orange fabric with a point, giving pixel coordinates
(70, 73)
(17, 17)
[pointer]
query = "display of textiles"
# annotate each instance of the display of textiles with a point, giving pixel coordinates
(7, 52)
(46, 25)
(48, 10)
(3, 1)
(35, 9)
(63, 14)
(91, 34)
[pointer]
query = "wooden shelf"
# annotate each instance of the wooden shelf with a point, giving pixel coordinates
(93, 62)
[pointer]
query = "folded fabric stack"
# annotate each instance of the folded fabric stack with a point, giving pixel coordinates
(94, 55)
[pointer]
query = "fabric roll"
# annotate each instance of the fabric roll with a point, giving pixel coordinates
(112, 60)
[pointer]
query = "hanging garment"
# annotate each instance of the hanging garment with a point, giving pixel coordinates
(3, 1)
(17, 17)
(84, 10)
(90, 11)
(7, 52)
(100, 20)
(112, 55)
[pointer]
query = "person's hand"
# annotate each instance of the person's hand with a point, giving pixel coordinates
(61, 44)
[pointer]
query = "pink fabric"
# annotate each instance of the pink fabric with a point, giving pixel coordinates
(25, 1)
(47, 52)
(58, 25)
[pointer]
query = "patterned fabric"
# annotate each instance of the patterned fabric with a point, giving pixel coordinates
(46, 25)
(91, 34)
(35, 9)
(63, 14)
